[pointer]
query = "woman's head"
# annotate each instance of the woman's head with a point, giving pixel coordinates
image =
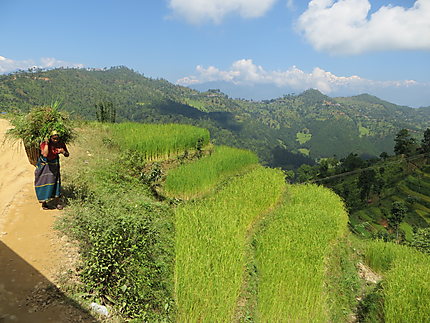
(54, 136)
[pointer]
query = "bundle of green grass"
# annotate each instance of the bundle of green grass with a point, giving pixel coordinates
(37, 126)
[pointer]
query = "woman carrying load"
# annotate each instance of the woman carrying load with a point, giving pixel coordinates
(47, 180)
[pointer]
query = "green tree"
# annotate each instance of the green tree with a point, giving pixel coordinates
(306, 173)
(351, 162)
(398, 213)
(105, 112)
(404, 143)
(421, 240)
(425, 142)
(383, 155)
(366, 180)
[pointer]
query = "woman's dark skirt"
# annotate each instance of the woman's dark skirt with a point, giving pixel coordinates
(47, 180)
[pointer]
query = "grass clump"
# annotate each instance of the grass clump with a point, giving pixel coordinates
(290, 254)
(211, 236)
(159, 141)
(406, 284)
(196, 178)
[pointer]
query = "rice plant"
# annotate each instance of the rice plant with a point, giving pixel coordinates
(157, 141)
(210, 244)
(197, 178)
(406, 284)
(290, 255)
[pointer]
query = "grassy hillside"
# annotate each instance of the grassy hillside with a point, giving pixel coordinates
(250, 248)
(283, 131)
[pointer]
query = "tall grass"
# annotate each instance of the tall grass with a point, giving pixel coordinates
(159, 140)
(290, 255)
(406, 287)
(210, 244)
(194, 179)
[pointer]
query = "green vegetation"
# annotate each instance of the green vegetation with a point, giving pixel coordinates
(291, 251)
(262, 127)
(155, 141)
(37, 125)
(421, 240)
(235, 252)
(125, 236)
(199, 177)
(304, 151)
(406, 286)
(210, 240)
(363, 130)
(105, 112)
(303, 137)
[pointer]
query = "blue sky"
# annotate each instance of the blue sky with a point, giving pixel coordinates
(343, 47)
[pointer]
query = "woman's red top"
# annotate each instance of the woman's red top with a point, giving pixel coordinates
(53, 149)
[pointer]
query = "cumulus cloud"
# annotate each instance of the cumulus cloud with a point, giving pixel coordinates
(245, 72)
(9, 65)
(347, 27)
(200, 11)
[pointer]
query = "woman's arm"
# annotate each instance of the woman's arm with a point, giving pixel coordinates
(44, 149)
(66, 152)
(63, 150)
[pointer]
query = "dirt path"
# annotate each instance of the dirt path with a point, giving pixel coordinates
(30, 250)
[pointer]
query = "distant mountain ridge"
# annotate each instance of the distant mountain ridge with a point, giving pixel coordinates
(285, 131)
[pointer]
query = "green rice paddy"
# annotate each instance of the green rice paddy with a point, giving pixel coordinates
(290, 255)
(197, 178)
(210, 244)
(158, 141)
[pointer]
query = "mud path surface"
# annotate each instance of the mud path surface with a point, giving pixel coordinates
(31, 252)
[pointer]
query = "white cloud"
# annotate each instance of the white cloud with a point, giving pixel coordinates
(200, 11)
(245, 72)
(345, 27)
(9, 65)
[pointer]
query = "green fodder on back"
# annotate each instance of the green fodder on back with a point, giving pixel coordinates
(406, 284)
(290, 252)
(200, 176)
(210, 244)
(37, 125)
(159, 140)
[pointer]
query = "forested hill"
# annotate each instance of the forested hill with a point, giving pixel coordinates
(285, 132)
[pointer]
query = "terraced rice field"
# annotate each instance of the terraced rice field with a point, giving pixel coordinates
(406, 287)
(211, 237)
(199, 177)
(290, 255)
(158, 141)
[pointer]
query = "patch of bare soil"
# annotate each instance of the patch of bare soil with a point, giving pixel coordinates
(367, 274)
